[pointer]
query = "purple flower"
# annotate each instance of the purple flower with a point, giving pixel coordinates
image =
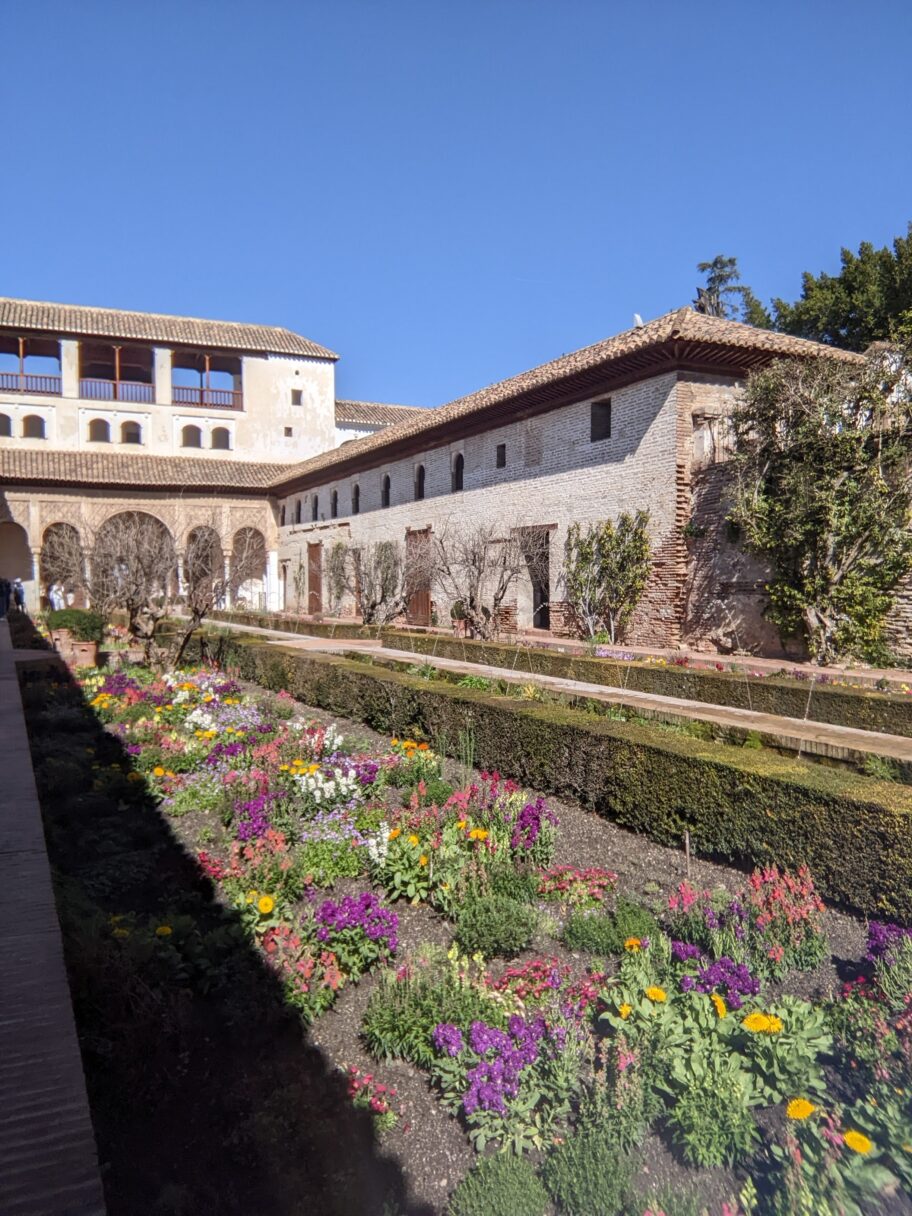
(684, 951)
(883, 938)
(448, 1038)
(366, 913)
(529, 823)
(734, 979)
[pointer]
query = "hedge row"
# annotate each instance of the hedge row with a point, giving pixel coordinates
(318, 629)
(747, 806)
(888, 713)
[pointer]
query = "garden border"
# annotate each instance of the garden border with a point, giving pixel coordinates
(753, 807)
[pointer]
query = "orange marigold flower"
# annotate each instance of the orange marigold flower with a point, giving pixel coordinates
(423, 747)
(632, 945)
(394, 833)
(422, 860)
(721, 1007)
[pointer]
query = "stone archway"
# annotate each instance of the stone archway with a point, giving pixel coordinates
(62, 564)
(248, 568)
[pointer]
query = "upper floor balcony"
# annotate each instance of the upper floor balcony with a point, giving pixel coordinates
(30, 366)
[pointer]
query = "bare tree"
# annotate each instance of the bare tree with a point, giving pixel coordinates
(475, 565)
(379, 576)
(209, 581)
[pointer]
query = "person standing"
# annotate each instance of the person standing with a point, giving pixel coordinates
(4, 597)
(19, 595)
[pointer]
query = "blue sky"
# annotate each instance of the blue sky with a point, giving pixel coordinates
(444, 193)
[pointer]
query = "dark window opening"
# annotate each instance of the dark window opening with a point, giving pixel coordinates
(32, 427)
(298, 511)
(315, 508)
(501, 460)
(385, 491)
(297, 396)
(99, 431)
(221, 438)
(282, 516)
(419, 483)
(6, 426)
(334, 504)
(191, 437)
(356, 499)
(458, 471)
(130, 432)
(600, 420)
(288, 432)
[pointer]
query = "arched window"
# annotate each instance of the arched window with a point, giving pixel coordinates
(99, 431)
(6, 426)
(458, 469)
(385, 491)
(191, 437)
(282, 516)
(356, 499)
(298, 511)
(315, 508)
(32, 427)
(221, 438)
(130, 432)
(334, 504)
(419, 483)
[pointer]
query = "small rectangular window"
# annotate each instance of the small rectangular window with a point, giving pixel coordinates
(296, 396)
(288, 432)
(501, 461)
(600, 420)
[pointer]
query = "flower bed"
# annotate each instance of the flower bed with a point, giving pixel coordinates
(678, 1027)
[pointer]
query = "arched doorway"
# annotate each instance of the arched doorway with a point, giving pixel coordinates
(16, 558)
(204, 568)
(248, 568)
(62, 566)
(134, 562)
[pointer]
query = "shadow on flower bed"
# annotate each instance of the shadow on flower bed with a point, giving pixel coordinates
(206, 1095)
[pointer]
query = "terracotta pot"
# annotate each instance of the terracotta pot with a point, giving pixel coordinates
(62, 638)
(85, 654)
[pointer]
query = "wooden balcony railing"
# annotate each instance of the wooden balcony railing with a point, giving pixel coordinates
(220, 398)
(116, 390)
(25, 382)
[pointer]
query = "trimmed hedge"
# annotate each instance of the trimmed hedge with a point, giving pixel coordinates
(317, 629)
(748, 806)
(888, 713)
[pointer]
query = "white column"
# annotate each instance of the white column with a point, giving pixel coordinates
(227, 604)
(69, 367)
(273, 590)
(162, 374)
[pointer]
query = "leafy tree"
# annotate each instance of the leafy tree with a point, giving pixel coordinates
(823, 452)
(605, 570)
(862, 304)
(726, 296)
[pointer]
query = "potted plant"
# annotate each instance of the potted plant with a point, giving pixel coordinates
(76, 632)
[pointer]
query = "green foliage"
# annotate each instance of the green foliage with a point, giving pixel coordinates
(711, 1118)
(606, 567)
(325, 861)
(605, 933)
(515, 882)
(499, 1186)
(864, 303)
(85, 626)
(586, 1176)
(824, 461)
(405, 1006)
(494, 925)
(725, 296)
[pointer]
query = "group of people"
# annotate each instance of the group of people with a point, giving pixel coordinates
(57, 597)
(11, 591)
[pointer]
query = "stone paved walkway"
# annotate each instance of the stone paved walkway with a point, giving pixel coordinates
(806, 737)
(48, 1161)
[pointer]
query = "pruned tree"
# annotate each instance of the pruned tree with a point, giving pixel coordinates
(378, 576)
(63, 559)
(476, 564)
(132, 567)
(823, 453)
(606, 567)
(336, 583)
(209, 582)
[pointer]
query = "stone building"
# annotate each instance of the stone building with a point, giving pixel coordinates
(636, 421)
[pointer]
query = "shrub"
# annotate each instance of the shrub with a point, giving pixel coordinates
(84, 625)
(494, 925)
(586, 1176)
(598, 933)
(514, 882)
(407, 1004)
(499, 1186)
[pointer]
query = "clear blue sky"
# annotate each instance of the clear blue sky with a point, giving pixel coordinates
(444, 193)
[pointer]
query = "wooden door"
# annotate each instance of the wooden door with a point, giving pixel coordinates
(314, 579)
(417, 545)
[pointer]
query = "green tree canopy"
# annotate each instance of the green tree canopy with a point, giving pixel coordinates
(726, 296)
(864, 303)
(823, 453)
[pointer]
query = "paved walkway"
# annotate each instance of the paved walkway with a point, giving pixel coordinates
(806, 737)
(48, 1161)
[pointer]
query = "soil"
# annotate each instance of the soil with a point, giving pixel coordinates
(246, 1113)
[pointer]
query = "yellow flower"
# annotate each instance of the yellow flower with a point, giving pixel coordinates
(422, 860)
(800, 1108)
(632, 945)
(265, 904)
(413, 840)
(775, 1024)
(756, 1023)
(478, 834)
(394, 833)
(283, 768)
(721, 1007)
(394, 742)
(121, 932)
(158, 771)
(461, 824)
(657, 995)
(163, 931)
(857, 1142)
(625, 1011)
(251, 896)
(312, 768)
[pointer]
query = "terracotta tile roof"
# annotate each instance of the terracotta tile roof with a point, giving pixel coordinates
(122, 469)
(680, 334)
(372, 413)
(77, 320)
